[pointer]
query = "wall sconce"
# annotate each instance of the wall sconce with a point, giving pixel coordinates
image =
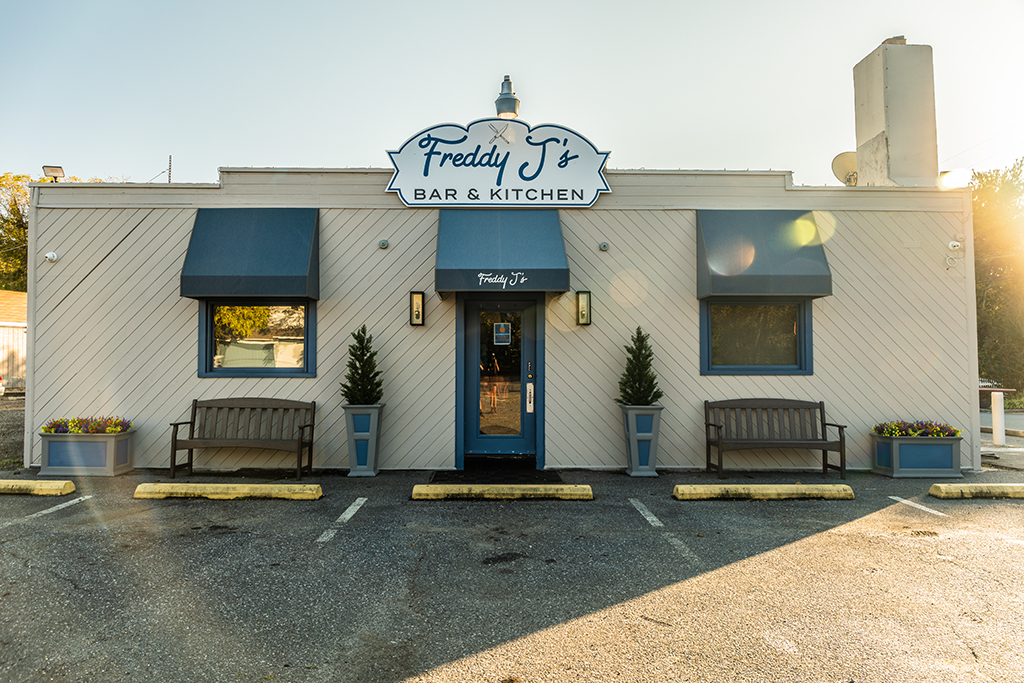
(582, 308)
(416, 308)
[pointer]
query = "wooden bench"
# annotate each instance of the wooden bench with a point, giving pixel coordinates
(745, 423)
(269, 423)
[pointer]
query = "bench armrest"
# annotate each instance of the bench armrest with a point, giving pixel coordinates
(718, 428)
(842, 434)
(302, 430)
(174, 439)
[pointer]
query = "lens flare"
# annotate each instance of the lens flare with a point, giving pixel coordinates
(802, 232)
(628, 288)
(957, 179)
(734, 259)
(826, 223)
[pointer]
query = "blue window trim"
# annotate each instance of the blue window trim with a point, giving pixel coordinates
(805, 338)
(207, 341)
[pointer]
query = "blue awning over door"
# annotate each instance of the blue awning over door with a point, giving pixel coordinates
(511, 250)
(244, 253)
(760, 253)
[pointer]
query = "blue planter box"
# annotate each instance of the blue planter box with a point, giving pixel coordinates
(362, 424)
(642, 425)
(916, 456)
(87, 454)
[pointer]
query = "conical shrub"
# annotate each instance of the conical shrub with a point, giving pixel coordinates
(638, 385)
(363, 385)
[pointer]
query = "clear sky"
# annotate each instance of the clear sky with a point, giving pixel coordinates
(111, 89)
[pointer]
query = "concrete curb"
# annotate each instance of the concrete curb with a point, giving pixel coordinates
(762, 492)
(1009, 432)
(501, 492)
(976, 491)
(37, 488)
(230, 491)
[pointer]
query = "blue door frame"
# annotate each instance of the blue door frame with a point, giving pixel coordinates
(467, 376)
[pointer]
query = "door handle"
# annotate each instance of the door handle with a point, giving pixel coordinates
(529, 397)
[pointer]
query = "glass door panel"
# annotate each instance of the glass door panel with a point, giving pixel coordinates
(501, 372)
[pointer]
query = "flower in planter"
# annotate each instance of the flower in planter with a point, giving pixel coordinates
(918, 428)
(86, 425)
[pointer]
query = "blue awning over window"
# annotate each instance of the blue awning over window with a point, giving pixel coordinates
(265, 253)
(760, 253)
(511, 250)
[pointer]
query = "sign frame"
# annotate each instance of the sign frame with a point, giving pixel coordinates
(496, 162)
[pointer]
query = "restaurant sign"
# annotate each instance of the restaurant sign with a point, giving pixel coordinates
(498, 162)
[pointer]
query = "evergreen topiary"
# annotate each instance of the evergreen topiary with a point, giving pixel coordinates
(638, 385)
(362, 385)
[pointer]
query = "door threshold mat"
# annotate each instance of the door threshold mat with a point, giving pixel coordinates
(497, 471)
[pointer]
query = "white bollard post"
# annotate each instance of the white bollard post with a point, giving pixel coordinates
(998, 420)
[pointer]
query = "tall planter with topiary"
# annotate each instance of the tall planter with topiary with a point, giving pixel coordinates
(362, 392)
(641, 417)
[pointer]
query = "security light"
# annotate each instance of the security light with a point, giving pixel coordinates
(54, 172)
(507, 103)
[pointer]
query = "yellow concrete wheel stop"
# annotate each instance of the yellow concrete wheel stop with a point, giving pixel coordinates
(502, 492)
(230, 491)
(977, 491)
(37, 487)
(762, 492)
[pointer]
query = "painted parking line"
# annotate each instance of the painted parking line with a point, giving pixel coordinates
(918, 506)
(648, 515)
(45, 512)
(683, 550)
(345, 517)
(688, 555)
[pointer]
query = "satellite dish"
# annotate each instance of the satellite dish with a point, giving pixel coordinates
(844, 167)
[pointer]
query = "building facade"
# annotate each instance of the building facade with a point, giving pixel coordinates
(110, 331)
(155, 295)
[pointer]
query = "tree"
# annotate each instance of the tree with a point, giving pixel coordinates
(239, 322)
(14, 204)
(998, 205)
(14, 200)
(638, 385)
(363, 385)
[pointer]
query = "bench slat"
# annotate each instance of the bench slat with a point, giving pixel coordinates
(748, 444)
(271, 444)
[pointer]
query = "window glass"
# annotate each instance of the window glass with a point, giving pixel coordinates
(764, 334)
(259, 336)
(756, 337)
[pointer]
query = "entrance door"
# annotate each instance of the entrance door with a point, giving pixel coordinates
(501, 377)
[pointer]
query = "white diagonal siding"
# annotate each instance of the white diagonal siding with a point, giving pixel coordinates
(893, 342)
(112, 335)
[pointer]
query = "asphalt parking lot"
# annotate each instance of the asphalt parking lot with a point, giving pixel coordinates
(367, 585)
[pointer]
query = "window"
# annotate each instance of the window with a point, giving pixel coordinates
(257, 338)
(755, 337)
